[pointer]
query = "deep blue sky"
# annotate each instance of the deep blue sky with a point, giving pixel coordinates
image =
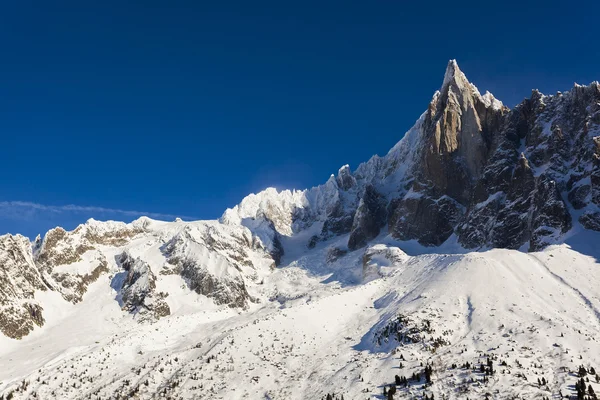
(183, 108)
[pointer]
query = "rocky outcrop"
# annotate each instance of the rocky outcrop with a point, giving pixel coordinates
(138, 294)
(60, 253)
(429, 220)
(550, 215)
(458, 131)
(215, 260)
(457, 139)
(470, 167)
(368, 219)
(471, 181)
(18, 321)
(212, 264)
(590, 219)
(19, 281)
(344, 179)
(334, 254)
(470, 170)
(60, 247)
(66, 262)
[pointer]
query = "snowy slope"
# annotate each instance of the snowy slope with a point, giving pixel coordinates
(325, 331)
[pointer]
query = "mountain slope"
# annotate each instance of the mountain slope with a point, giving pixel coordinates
(415, 258)
(469, 167)
(537, 312)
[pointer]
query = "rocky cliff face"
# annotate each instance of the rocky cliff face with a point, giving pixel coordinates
(138, 292)
(19, 281)
(140, 261)
(470, 170)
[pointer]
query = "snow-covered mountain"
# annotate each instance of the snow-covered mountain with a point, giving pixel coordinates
(414, 263)
(469, 168)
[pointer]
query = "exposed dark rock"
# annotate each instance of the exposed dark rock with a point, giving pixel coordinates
(578, 196)
(458, 131)
(224, 286)
(550, 216)
(230, 292)
(138, 292)
(511, 229)
(338, 222)
(595, 174)
(344, 179)
(277, 251)
(458, 137)
(430, 221)
(368, 219)
(19, 280)
(469, 155)
(138, 284)
(335, 253)
(590, 220)
(16, 322)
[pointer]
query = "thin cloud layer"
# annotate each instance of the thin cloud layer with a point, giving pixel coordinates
(24, 210)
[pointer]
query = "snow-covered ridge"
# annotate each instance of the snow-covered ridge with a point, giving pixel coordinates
(532, 315)
(216, 261)
(380, 271)
(458, 156)
(455, 173)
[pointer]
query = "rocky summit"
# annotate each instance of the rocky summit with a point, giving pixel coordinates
(470, 170)
(288, 281)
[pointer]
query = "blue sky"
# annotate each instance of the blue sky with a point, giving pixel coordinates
(182, 108)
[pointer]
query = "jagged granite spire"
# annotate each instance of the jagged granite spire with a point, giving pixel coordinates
(454, 76)
(457, 172)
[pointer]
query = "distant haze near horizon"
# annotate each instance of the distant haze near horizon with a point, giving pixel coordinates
(112, 111)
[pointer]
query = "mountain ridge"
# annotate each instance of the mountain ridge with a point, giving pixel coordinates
(474, 138)
(470, 168)
(471, 175)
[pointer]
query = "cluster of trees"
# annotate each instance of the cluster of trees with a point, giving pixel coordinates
(402, 381)
(21, 389)
(389, 393)
(400, 330)
(333, 396)
(582, 371)
(428, 372)
(580, 386)
(581, 391)
(487, 368)
(542, 382)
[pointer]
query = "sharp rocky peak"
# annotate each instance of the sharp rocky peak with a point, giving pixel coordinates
(454, 76)
(459, 172)
(469, 169)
